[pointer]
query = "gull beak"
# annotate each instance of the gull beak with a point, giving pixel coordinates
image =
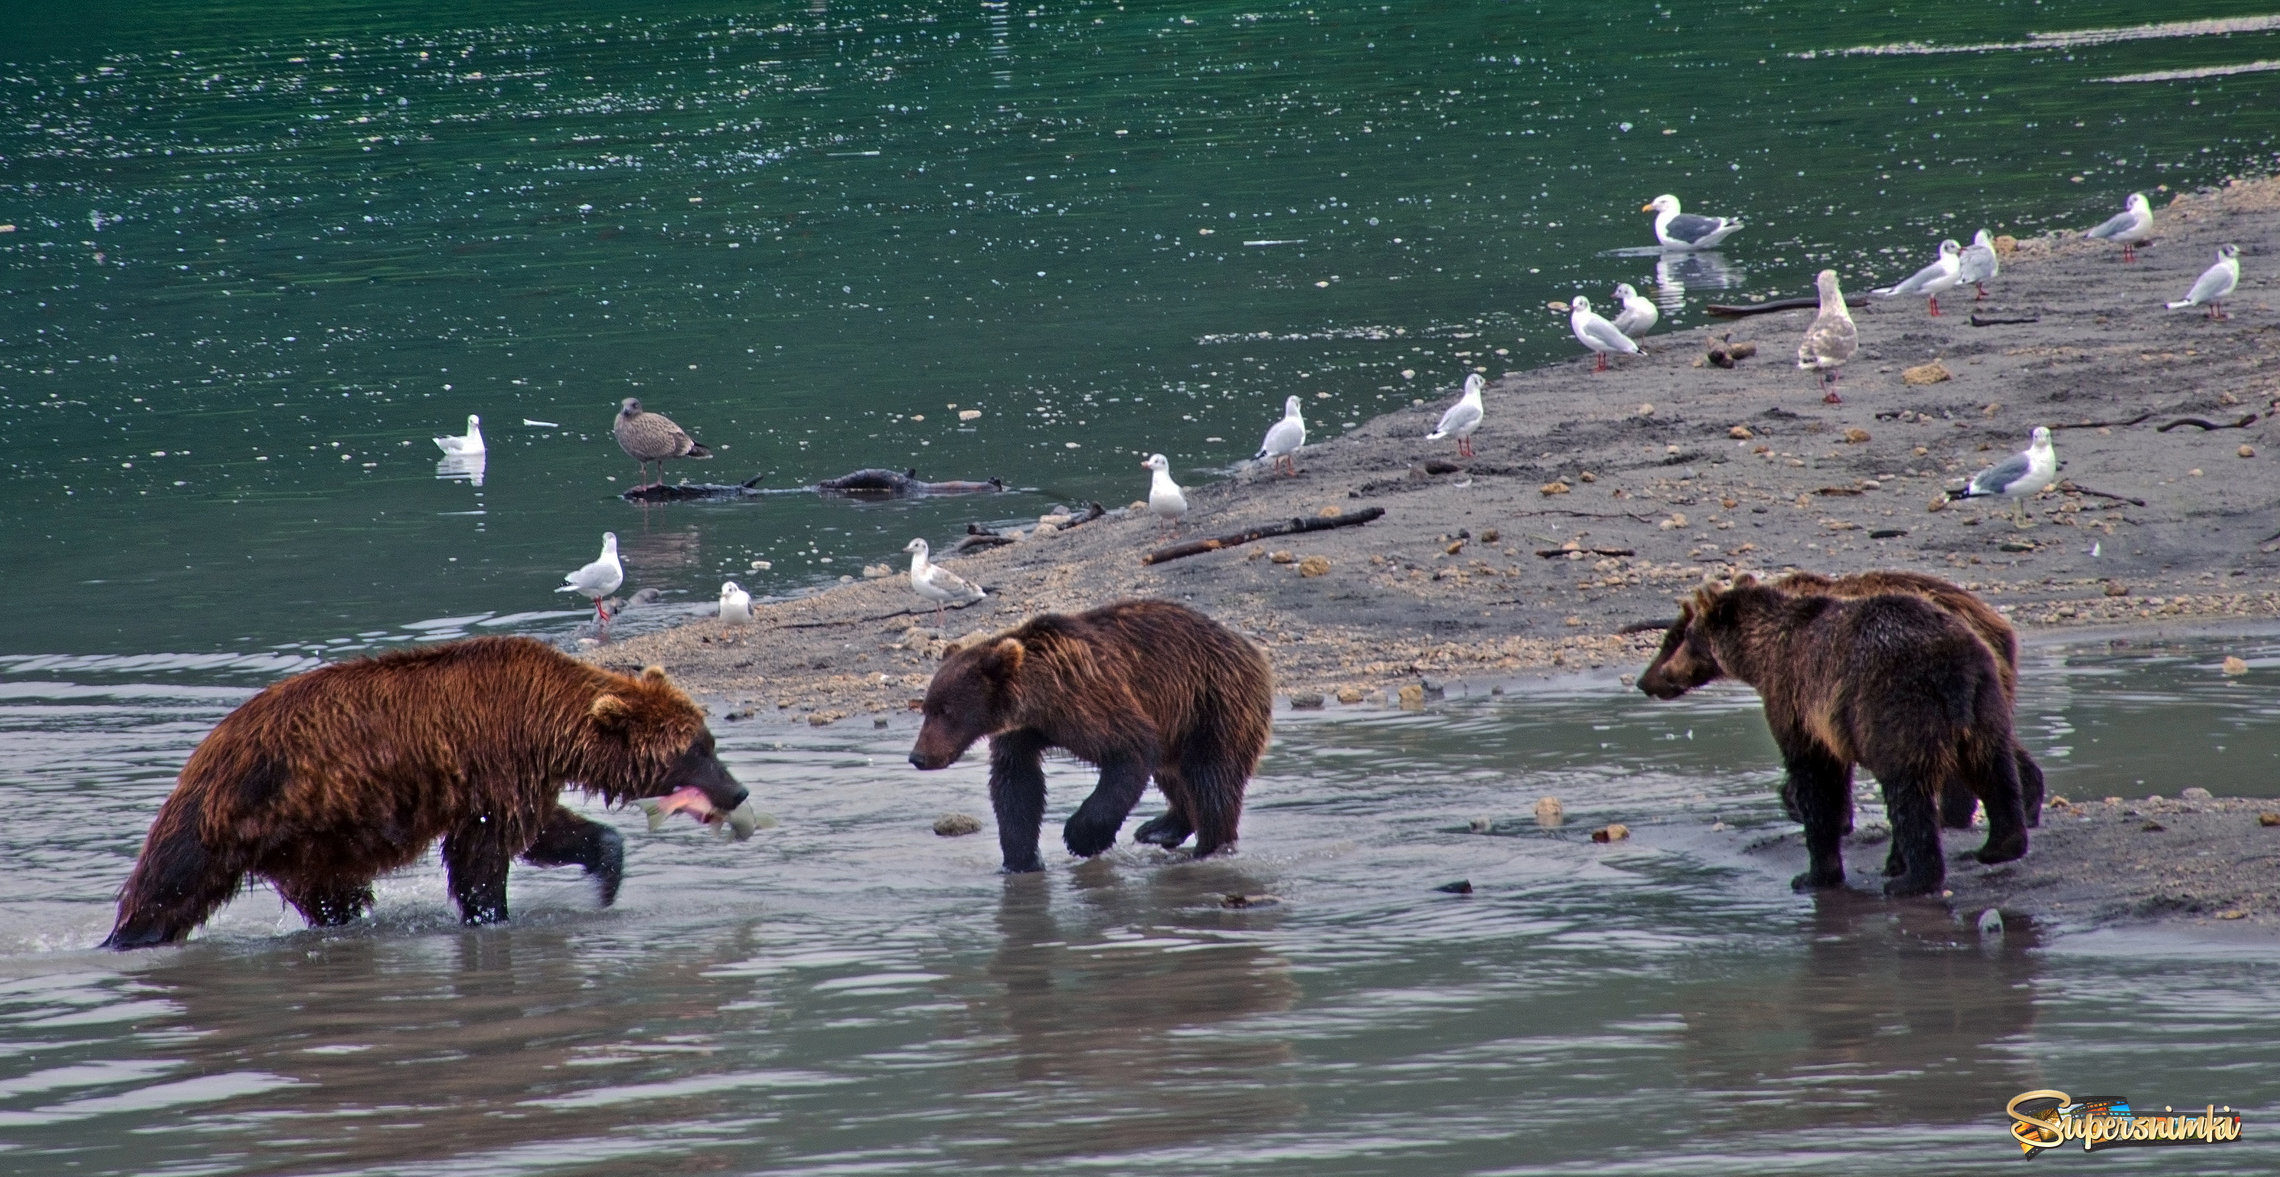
(1646, 208)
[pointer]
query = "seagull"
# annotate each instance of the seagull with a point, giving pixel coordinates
(1639, 314)
(2019, 477)
(2132, 227)
(1677, 230)
(1832, 338)
(599, 579)
(1462, 418)
(652, 437)
(1165, 501)
(1596, 333)
(735, 604)
(1285, 437)
(461, 447)
(1944, 274)
(932, 582)
(1979, 263)
(2215, 283)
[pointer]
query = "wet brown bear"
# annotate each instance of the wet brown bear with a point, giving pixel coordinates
(326, 780)
(1891, 682)
(1136, 688)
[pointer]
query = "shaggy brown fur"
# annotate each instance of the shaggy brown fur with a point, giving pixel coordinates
(1891, 682)
(324, 781)
(1138, 688)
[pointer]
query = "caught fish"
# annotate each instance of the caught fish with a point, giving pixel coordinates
(737, 823)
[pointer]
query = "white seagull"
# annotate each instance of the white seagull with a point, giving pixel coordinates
(1677, 230)
(1942, 275)
(1165, 501)
(2215, 283)
(467, 446)
(2131, 227)
(932, 582)
(735, 604)
(1596, 333)
(1638, 315)
(2019, 477)
(596, 581)
(1463, 417)
(1285, 438)
(1978, 263)
(1832, 338)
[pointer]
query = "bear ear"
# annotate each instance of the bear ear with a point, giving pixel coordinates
(653, 676)
(1745, 580)
(1008, 654)
(1704, 597)
(610, 712)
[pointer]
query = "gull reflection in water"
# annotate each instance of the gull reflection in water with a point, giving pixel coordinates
(461, 467)
(1676, 272)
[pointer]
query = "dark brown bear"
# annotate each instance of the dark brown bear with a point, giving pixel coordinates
(326, 780)
(1137, 688)
(1890, 682)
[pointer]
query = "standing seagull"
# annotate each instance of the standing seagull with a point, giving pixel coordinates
(2019, 477)
(596, 581)
(1944, 274)
(1677, 230)
(2131, 227)
(1832, 338)
(1462, 418)
(932, 582)
(1979, 263)
(1285, 437)
(1165, 501)
(1596, 333)
(1638, 315)
(652, 437)
(464, 447)
(2215, 283)
(735, 604)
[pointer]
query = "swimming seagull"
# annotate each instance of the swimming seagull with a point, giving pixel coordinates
(652, 437)
(932, 582)
(1596, 333)
(735, 604)
(2215, 283)
(1165, 501)
(599, 579)
(460, 447)
(1285, 437)
(1944, 274)
(1832, 338)
(2019, 477)
(1463, 417)
(1638, 315)
(2132, 227)
(1677, 230)
(1979, 263)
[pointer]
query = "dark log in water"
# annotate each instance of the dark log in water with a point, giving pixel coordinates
(885, 484)
(693, 491)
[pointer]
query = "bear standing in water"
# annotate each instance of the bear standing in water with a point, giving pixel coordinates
(1891, 682)
(326, 780)
(1138, 688)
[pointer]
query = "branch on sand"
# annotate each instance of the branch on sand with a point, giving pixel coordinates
(1198, 547)
(2072, 487)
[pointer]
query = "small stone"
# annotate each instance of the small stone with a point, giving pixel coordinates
(1329, 513)
(2195, 472)
(1455, 547)
(2115, 588)
(1310, 701)
(2196, 793)
(1587, 476)
(1990, 922)
(1646, 410)
(877, 571)
(1460, 887)
(1350, 695)
(2015, 545)
(1931, 373)
(957, 825)
(1571, 621)
(1313, 566)
(1729, 504)
(2152, 827)
(1481, 825)
(2246, 451)
(819, 719)
(1740, 433)
(1411, 697)
(1855, 435)
(879, 722)
(1491, 536)
(1554, 487)
(1719, 356)
(1611, 833)
(1236, 899)
(1549, 812)
(2232, 913)
(1742, 350)
(2006, 245)
(2235, 664)
(2268, 818)
(1282, 557)
(1938, 504)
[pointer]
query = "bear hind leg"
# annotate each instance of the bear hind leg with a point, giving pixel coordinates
(1957, 804)
(1910, 802)
(1215, 802)
(1996, 770)
(570, 840)
(1820, 784)
(1092, 828)
(326, 903)
(475, 864)
(2030, 784)
(1173, 827)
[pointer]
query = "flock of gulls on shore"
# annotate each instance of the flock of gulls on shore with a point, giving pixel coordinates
(1829, 341)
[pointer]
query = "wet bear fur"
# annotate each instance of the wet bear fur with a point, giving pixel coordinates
(1890, 682)
(324, 781)
(1136, 688)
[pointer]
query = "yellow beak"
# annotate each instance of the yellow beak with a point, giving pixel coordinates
(1646, 208)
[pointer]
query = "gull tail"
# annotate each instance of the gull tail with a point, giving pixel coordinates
(697, 450)
(2182, 303)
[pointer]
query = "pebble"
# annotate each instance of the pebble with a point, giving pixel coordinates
(1611, 833)
(2247, 451)
(1990, 922)
(1411, 698)
(1282, 557)
(957, 825)
(2268, 818)
(1549, 812)
(1350, 695)
(1481, 825)
(1309, 701)
(1460, 887)
(2196, 793)
(1931, 373)
(1313, 566)
(2235, 664)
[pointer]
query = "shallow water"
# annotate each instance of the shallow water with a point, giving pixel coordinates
(849, 993)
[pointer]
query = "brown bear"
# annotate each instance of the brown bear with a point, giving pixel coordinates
(1891, 682)
(326, 780)
(1138, 688)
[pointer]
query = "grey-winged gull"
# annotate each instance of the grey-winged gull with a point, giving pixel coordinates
(1638, 315)
(1165, 501)
(1679, 230)
(1285, 438)
(939, 585)
(2019, 477)
(735, 603)
(1978, 263)
(1462, 417)
(466, 445)
(1596, 333)
(652, 437)
(1942, 275)
(596, 581)
(2131, 227)
(2215, 283)
(1831, 340)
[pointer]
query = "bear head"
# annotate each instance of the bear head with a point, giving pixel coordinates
(974, 694)
(651, 740)
(1686, 660)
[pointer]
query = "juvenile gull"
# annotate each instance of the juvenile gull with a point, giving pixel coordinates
(2131, 227)
(735, 604)
(460, 447)
(1979, 263)
(1677, 230)
(1285, 437)
(1832, 338)
(1638, 315)
(1596, 333)
(596, 581)
(1165, 501)
(932, 582)
(652, 437)
(2215, 283)
(1462, 418)
(2019, 477)
(1944, 274)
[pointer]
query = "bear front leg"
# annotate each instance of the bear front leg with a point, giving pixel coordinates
(1017, 797)
(570, 840)
(1820, 784)
(326, 903)
(1092, 828)
(475, 859)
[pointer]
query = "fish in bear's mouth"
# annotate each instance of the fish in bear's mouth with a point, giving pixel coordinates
(737, 823)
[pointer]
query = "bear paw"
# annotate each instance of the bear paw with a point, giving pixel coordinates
(1087, 839)
(1166, 831)
(1818, 880)
(1033, 865)
(1909, 885)
(2004, 851)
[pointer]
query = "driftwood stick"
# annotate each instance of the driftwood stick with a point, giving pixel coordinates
(860, 620)
(2106, 424)
(2069, 486)
(1557, 553)
(1779, 304)
(1648, 626)
(1979, 320)
(1197, 547)
(2198, 423)
(1590, 514)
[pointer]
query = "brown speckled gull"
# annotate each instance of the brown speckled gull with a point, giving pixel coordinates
(652, 437)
